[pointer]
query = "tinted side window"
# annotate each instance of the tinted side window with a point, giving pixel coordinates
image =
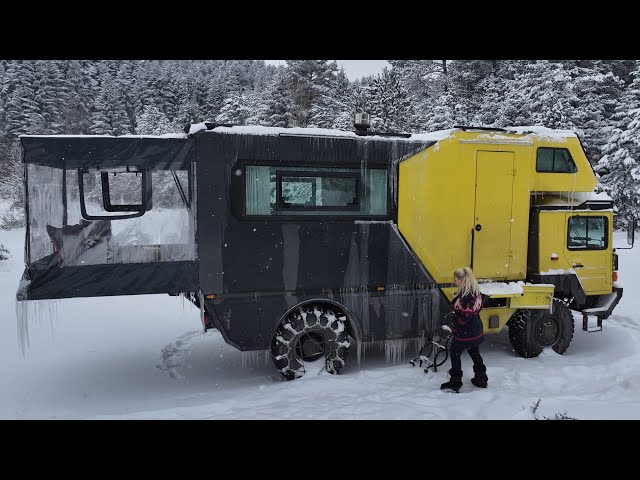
(555, 160)
(271, 190)
(318, 191)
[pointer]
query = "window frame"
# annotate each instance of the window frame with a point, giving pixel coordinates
(587, 247)
(555, 149)
(138, 210)
(238, 192)
(282, 206)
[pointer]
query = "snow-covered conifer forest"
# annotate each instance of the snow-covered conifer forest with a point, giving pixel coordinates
(598, 99)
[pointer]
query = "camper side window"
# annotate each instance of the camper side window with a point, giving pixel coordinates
(317, 191)
(302, 191)
(588, 233)
(555, 160)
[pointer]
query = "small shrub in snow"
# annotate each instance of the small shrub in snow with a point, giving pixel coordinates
(558, 416)
(12, 218)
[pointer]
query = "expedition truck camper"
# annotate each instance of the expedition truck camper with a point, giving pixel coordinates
(310, 243)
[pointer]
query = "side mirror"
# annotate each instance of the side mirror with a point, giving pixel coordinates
(631, 232)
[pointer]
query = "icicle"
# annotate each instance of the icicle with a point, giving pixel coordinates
(26, 311)
(255, 358)
(201, 300)
(393, 180)
(22, 317)
(395, 350)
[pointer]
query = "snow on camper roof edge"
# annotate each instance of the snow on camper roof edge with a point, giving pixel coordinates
(164, 135)
(312, 131)
(261, 130)
(428, 136)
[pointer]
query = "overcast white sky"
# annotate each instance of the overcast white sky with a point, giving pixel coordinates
(353, 68)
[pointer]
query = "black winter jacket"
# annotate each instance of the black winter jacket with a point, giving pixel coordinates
(467, 326)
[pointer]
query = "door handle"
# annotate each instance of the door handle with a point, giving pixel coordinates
(577, 265)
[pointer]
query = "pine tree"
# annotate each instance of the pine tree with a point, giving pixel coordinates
(279, 107)
(619, 168)
(153, 122)
(416, 76)
(424, 83)
(441, 114)
(309, 81)
(22, 111)
(335, 109)
(81, 82)
(540, 94)
(390, 109)
(465, 84)
(235, 109)
(12, 187)
(491, 93)
(110, 114)
(599, 91)
(127, 84)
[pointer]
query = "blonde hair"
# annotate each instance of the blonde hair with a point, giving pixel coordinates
(469, 283)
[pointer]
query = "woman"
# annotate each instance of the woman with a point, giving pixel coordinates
(467, 330)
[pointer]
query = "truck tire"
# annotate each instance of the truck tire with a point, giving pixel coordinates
(530, 331)
(309, 333)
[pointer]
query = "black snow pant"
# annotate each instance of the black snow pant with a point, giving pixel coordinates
(456, 364)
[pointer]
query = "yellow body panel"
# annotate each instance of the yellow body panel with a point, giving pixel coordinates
(479, 178)
(504, 314)
(532, 297)
(463, 181)
(435, 207)
(592, 267)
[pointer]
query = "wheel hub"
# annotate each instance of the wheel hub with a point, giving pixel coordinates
(310, 346)
(547, 332)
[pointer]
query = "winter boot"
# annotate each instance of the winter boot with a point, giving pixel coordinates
(454, 383)
(480, 379)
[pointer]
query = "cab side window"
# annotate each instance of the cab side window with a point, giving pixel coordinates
(588, 233)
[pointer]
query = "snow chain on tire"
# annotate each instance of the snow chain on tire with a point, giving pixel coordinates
(310, 321)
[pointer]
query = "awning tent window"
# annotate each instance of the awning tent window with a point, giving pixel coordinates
(114, 195)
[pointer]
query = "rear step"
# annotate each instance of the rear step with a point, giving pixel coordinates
(602, 309)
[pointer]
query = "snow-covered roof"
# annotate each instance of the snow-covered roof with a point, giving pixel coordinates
(323, 132)
(329, 132)
(166, 135)
(436, 136)
(542, 131)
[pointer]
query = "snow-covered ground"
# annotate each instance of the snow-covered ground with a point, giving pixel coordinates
(145, 357)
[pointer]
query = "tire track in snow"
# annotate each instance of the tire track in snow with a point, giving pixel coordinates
(175, 355)
(591, 377)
